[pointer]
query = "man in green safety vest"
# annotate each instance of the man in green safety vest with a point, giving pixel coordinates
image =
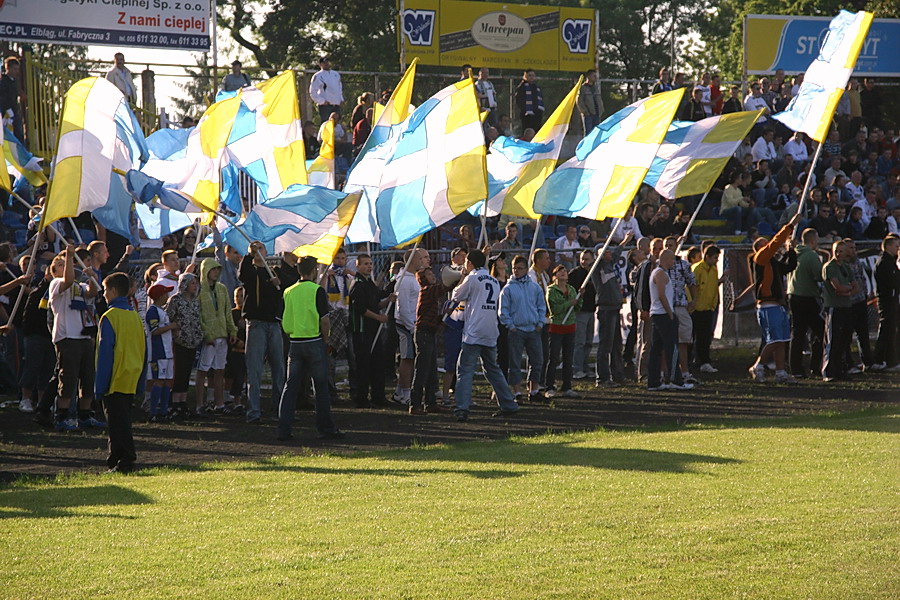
(306, 323)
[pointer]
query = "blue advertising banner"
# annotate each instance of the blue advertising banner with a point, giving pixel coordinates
(773, 42)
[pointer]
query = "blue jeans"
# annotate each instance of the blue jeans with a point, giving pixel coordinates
(530, 341)
(306, 359)
(465, 371)
(263, 339)
(584, 340)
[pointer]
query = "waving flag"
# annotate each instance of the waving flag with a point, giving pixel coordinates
(693, 154)
(435, 170)
(609, 165)
(267, 138)
(23, 161)
(365, 174)
(196, 170)
(812, 109)
(321, 169)
(98, 132)
(306, 220)
(527, 164)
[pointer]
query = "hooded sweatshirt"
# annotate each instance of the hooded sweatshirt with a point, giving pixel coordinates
(522, 305)
(215, 307)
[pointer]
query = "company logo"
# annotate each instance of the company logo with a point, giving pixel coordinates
(576, 33)
(501, 31)
(418, 25)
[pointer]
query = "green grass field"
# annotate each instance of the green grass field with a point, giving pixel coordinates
(807, 507)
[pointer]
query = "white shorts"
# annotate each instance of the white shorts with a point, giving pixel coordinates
(685, 325)
(213, 356)
(162, 369)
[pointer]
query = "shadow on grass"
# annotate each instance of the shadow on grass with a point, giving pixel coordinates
(52, 502)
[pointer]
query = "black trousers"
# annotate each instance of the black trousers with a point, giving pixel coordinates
(532, 121)
(838, 333)
(806, 316)
(545, 345)
(703, 334)
(886, 345)
(425, 376)
(370, 368)
(117, 408)
(859, 324)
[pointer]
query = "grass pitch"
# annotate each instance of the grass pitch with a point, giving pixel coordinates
(807, 507)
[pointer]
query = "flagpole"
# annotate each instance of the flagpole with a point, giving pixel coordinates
(399, 281)
(75, 231)
(196, 241)
(806, 186)
(483, 234)
(250, 241)
(28, 272)
(691, 222)
(537, 226)
(88, 272)
(597, 260)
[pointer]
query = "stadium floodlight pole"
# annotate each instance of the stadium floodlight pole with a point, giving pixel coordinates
(249, 241)
(399, 281)
(215, 49)
(806, 185)
(597, 260)
(691, 222)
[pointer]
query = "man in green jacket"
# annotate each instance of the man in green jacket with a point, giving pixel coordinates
(805, 298)
(218, 330)
(306, 323)
(839, 287)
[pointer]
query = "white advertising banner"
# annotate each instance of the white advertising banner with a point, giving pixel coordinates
(173, 24)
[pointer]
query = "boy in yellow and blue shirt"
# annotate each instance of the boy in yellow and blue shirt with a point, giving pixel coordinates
(121, 369)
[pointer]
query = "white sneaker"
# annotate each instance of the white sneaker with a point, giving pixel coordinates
(770, 365)
(854, 370)
(571, 394)
(683, 386)
(877, 367)
(26, 406)
(785, 378)
(579, 375)
(550, 394)
(666, 386)
(893, 369)
(688, 378)
(758, 373)
(708, 368)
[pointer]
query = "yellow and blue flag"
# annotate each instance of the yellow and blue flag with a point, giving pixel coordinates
(693, 154)
(197, 171)
(321, 169)
(365, 174)
(517, 169)
(24, 162)
(434, 170)
(610, 163)
(306, 220)
(812, 109)
(98, 133)
(266, 140)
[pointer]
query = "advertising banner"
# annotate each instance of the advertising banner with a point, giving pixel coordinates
(172, 24)
(508, 36)
(773, 42)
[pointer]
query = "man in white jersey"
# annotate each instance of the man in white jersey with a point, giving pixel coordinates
(481, 294)
(664, 336)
